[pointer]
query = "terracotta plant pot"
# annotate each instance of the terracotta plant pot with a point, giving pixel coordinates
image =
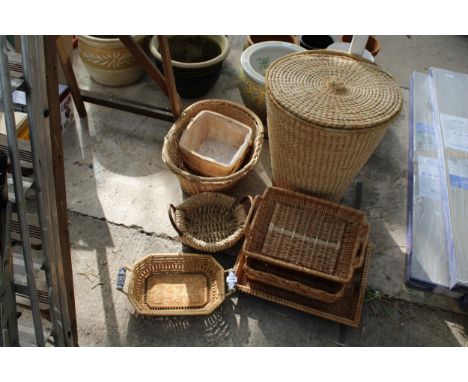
(316, 42)
(196, 61)
(255, 39)
(108, 61)
(373, 45)
(254, 63)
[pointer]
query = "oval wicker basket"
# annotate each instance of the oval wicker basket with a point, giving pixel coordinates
(210, 221)
(327, 111)
(192, 183)
(174, 284)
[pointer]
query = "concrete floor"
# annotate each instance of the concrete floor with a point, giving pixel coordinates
(118, 191)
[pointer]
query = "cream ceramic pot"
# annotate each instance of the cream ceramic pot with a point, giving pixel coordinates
(254, 63)
(108, 61)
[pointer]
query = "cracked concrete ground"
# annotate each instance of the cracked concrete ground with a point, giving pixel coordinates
(118, 191)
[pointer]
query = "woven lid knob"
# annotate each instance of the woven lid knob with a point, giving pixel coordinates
(333, 89)
(337, 86)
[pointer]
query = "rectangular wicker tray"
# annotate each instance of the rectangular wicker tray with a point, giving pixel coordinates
(174, 284)
(346, 310)
(304, 233)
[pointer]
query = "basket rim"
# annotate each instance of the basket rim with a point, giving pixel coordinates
(257, 146)
(322, 123)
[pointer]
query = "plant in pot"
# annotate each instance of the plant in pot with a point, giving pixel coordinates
(108, 61)
(254, 63)
(315, 42)
(196, 61)
(255, 39)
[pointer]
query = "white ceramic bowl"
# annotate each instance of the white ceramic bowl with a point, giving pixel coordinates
(256, 58)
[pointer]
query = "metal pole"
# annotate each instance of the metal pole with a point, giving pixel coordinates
(18, 186)
(34, 74)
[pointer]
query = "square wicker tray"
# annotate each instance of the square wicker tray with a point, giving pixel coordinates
(346, 310)
(305, 234)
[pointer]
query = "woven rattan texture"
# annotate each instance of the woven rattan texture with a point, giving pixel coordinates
(347, 310)
(210, 221)
(193, 183)
(320, 137)
(176, 284)
(297, 282)
(305, 234)
(333, 89)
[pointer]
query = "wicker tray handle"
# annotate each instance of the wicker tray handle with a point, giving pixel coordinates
(171, 212)
(121, 278)
(248, 220)
(231, 281)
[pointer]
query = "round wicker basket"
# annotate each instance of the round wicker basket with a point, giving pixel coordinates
(192, 183)
(210, 221)
(327, 112)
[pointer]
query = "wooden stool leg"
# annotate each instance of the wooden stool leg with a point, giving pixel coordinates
(174, 98)
(70, 76)
(149, 67)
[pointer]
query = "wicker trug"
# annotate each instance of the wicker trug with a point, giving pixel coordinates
(210, 221)
(326, 112)
(192, 183)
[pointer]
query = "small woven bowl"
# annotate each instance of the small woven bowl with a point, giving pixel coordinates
(210, 221)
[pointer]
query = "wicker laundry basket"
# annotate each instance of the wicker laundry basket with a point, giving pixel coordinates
(210, 221)
(193, 183)
(327, 111)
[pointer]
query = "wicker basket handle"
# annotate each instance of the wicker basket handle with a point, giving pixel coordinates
(231, 281)
(359, 259)
(121, 277)
(171, 212)
(251, 213)
(247, 198)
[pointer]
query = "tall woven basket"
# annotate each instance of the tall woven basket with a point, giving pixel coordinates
(327, 111)
(193, 183)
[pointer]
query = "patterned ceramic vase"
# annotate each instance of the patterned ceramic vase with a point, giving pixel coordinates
(254, 63)
(108, 61)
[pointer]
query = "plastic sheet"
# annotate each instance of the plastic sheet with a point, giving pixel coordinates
(427, 266)
(449, 96)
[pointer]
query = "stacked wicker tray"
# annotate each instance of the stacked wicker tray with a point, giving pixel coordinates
(306, 253)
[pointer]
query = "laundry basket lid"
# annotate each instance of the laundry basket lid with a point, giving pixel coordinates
(333, 89)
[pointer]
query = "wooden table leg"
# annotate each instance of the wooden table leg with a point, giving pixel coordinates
(174, 98)
(149, 67)
(55, 125)
(70, 76)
